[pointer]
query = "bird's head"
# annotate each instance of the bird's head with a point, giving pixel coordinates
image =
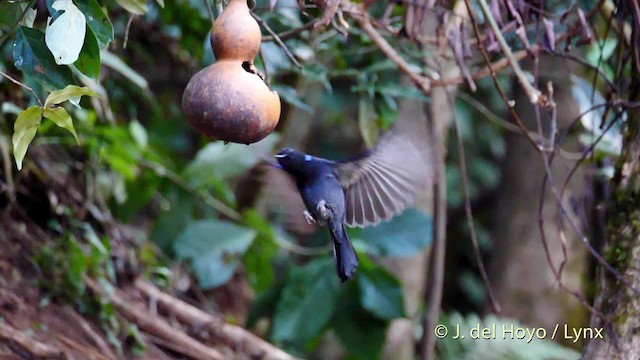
(291, 160)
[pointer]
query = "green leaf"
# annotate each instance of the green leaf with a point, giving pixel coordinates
(360, 333)
(71, 91)
(110, 60)
(89, 60)
(10, 13)
(404, 235)
(380, 292)
(259, 257)
(24, 130)
(78, 264)
(139, 134)
(367, 121)
(307, 303)
(171, 220)
(97, 21)
(217, 160)
(290, 95)
(138, 7)
(213, 248)
(32, 57)
(61, 117)
(263, 305)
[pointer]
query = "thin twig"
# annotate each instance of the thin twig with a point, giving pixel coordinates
(24, 86)
(586, 64)
(278, 40)
(362, 17)
(212, 17)
(290, 33)
(265, 71)
(126, 31)
(494, 118)
(468, 210)
(533, 93)
(208, 199)
(20, 19)
(508, 103)
(561, 205)
(301, 250)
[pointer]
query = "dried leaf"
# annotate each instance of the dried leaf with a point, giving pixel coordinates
(494, 7)
(521, 33)
(329, 10)
(491, 42)
(464, 38)
(585, 34)
(456, 45)
(549, 40)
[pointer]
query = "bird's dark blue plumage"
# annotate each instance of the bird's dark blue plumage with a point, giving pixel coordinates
(373, 187)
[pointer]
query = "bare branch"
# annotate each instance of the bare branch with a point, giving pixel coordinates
(156, 326)
(278, 40)
(33, 346)
(234, 336)
(362, 17)
(24, 86)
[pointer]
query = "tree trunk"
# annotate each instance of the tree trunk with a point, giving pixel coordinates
(617, 302)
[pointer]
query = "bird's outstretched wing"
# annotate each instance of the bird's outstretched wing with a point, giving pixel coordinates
(386, 179)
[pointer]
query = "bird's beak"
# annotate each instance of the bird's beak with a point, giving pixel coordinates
(280, 156)
(269, 160)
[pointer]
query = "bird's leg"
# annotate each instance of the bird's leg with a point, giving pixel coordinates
(309, 218)
(323, 210)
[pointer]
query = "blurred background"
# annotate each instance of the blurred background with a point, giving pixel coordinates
(141, 195)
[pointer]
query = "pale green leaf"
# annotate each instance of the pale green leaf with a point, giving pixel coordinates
(217, 160)
(138, 7)
(213, 248)
(367, 121)
(65, 35)
(30, 17)
(60, 96)
(404, 235)
(24, 130)
(139, 134)
(115, 63)
(61, 117)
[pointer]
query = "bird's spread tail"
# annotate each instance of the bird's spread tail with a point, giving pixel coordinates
(344, 253)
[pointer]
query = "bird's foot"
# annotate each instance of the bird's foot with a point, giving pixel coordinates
(309, 218)
(323, 210)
